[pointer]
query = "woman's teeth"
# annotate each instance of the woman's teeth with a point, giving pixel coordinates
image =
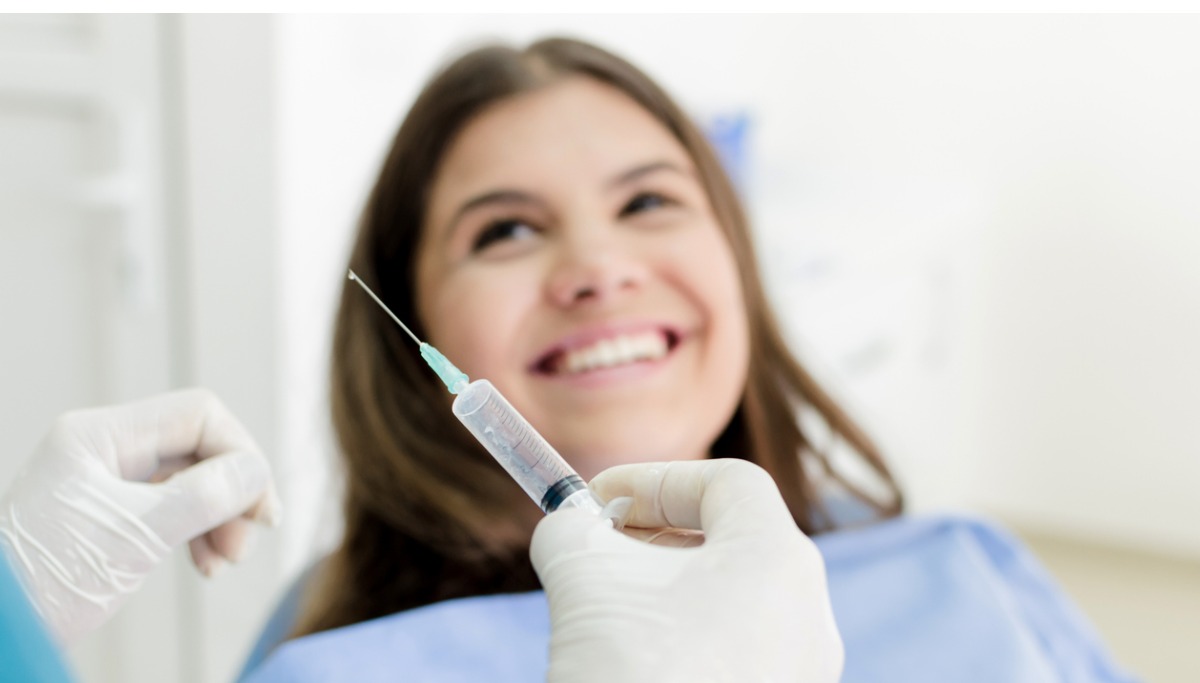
(621, 350)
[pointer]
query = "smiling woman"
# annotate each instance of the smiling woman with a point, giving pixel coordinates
(553, 222)
(612, 253)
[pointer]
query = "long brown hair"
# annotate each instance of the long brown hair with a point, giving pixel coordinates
(428, 514)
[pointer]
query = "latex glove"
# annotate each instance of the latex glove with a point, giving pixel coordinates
(750, 604)
(111, 491)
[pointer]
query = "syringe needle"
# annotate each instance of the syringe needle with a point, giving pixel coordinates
(354, 277)
(454, 378)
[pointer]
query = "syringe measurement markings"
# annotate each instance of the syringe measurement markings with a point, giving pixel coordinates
(530, 444)
(509, 436)
(513, 426)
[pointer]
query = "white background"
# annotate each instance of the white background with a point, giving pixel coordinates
(982, 231)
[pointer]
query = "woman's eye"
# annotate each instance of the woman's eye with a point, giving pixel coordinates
(643, 202)
(501, 231)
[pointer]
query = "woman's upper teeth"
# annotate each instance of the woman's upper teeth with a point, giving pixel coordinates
(619, 350)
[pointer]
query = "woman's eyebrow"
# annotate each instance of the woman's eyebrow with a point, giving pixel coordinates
(508, 197)
(646, 169)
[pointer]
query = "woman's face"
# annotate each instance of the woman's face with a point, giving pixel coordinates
(570, 255)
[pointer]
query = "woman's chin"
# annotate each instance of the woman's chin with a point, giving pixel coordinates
(590, 465)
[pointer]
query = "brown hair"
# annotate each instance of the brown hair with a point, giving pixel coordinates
(428, 514)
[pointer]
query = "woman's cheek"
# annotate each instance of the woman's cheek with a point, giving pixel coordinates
(481, 314)
(454, 316)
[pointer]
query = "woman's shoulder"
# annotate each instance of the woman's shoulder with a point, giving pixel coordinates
(492, 637)
(966, 590)
(857, 527)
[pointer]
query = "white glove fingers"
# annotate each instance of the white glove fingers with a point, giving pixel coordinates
(672, 538)
(207, 560)
(111, 491)
(209, 494)
(145, 434)
(740, 497)
(219, 432)
(750, 604)
(232, 540)
(268, 510)
(563, 532)
(643, 483)
(716, 496)
(195, 422)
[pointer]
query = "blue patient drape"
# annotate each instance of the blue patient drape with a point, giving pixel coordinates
(916, 599)
(27, 652)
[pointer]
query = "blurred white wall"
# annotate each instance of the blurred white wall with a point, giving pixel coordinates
(983, 231)
(87, 299)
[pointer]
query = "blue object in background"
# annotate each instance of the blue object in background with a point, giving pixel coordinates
(730, 135)
(27, 653)
(937, 599)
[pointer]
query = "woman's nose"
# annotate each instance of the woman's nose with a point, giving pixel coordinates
(597, 274)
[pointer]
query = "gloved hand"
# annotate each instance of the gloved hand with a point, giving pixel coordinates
(749, 604)
(111, 491)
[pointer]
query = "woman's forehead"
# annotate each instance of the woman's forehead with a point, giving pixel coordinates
(576, 130)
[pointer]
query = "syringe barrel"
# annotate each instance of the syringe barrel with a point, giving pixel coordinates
(521, 451)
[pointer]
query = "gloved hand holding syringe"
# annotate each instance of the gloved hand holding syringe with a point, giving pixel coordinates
(704, 609)
(513, 442)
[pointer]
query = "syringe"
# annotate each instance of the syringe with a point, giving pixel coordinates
(513, 442)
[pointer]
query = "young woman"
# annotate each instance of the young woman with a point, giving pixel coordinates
(551, 221)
